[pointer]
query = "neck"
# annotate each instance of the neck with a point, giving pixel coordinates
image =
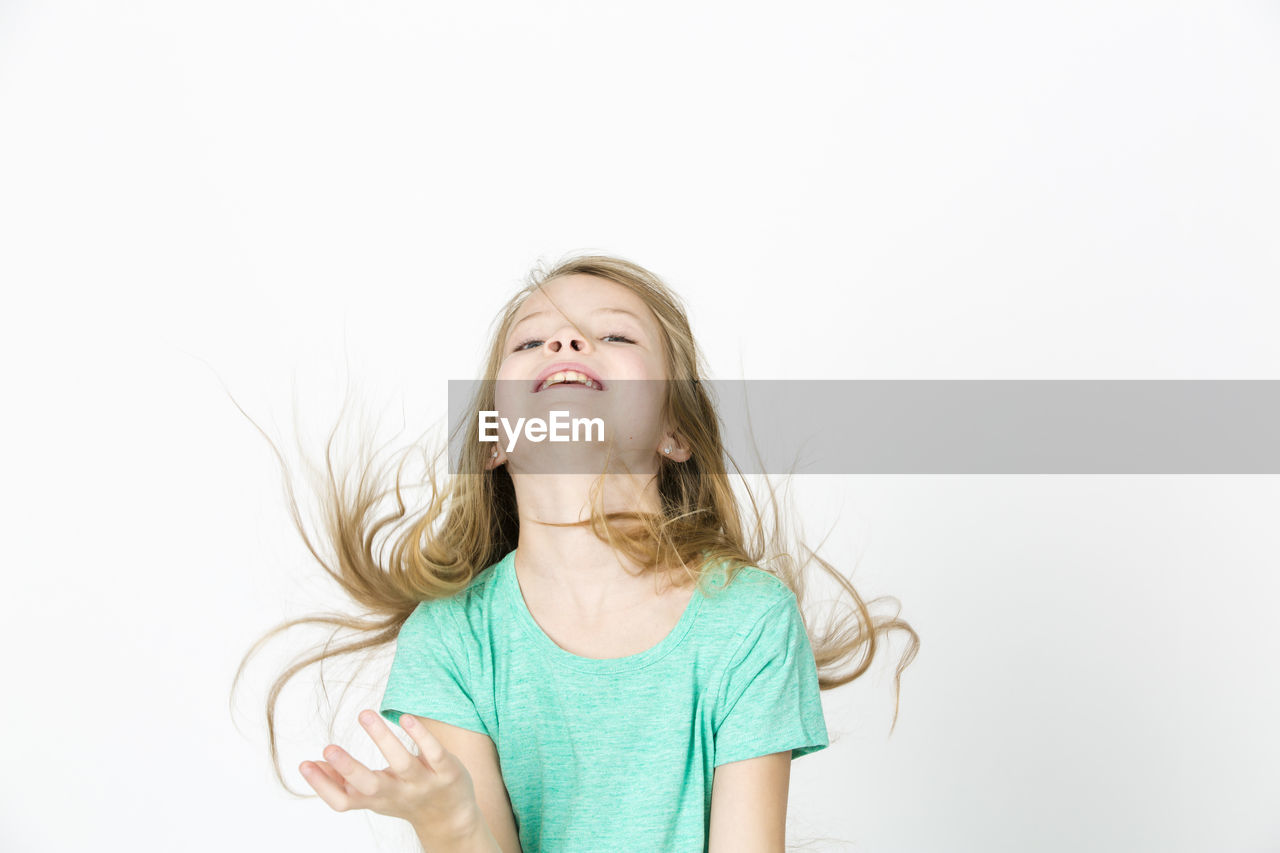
(573, 560)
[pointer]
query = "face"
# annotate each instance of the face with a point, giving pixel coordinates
(608, 330)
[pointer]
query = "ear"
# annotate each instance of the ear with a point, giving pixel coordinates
(495, 457)
(680, 451)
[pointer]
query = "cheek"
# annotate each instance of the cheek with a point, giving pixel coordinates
(510, 384)
(510, 367)
(636, 365)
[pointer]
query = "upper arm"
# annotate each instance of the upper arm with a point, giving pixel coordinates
(749, 805)
(478, 754)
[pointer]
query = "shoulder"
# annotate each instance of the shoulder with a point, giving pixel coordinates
(468, 606)
(738, 608)
(746, 592)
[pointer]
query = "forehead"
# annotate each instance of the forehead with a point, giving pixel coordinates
(581, 296)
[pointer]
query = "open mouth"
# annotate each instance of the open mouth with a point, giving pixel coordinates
(571, 378)
(569, 374)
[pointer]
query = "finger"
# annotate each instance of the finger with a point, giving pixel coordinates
(357, 775)
(329, 790)
(430, 748)
(333, 774)
(401, 762)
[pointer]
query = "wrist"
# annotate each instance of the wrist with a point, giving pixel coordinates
(467, 834)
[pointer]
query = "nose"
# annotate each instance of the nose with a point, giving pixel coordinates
(570, 338)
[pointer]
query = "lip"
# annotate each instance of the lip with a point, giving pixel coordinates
(567, 365)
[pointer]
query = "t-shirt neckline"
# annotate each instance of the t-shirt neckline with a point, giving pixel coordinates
(507, 580)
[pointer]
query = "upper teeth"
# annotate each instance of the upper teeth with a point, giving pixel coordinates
(568, 376)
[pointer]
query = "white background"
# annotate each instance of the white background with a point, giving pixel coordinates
(268, 198)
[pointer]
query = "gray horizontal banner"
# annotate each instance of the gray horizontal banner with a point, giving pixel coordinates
(843, 427)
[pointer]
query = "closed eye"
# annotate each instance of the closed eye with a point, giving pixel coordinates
(525, 343)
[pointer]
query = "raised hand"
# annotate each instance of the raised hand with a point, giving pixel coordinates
(431, 790)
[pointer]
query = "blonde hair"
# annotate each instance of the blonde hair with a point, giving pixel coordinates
(473, 523)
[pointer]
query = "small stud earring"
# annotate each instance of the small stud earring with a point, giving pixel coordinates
(494, 454)
(666, 450)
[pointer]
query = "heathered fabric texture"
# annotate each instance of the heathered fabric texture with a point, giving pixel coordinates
(614, 754)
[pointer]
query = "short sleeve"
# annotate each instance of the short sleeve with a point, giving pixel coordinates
(431, 675)
(769, 700)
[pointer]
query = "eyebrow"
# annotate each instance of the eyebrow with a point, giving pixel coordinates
(630, 314)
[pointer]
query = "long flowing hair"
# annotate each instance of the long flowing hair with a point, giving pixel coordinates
(472, 522)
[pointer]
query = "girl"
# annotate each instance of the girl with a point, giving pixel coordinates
(586, 661)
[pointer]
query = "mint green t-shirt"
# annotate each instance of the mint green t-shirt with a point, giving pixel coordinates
(614, 754)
